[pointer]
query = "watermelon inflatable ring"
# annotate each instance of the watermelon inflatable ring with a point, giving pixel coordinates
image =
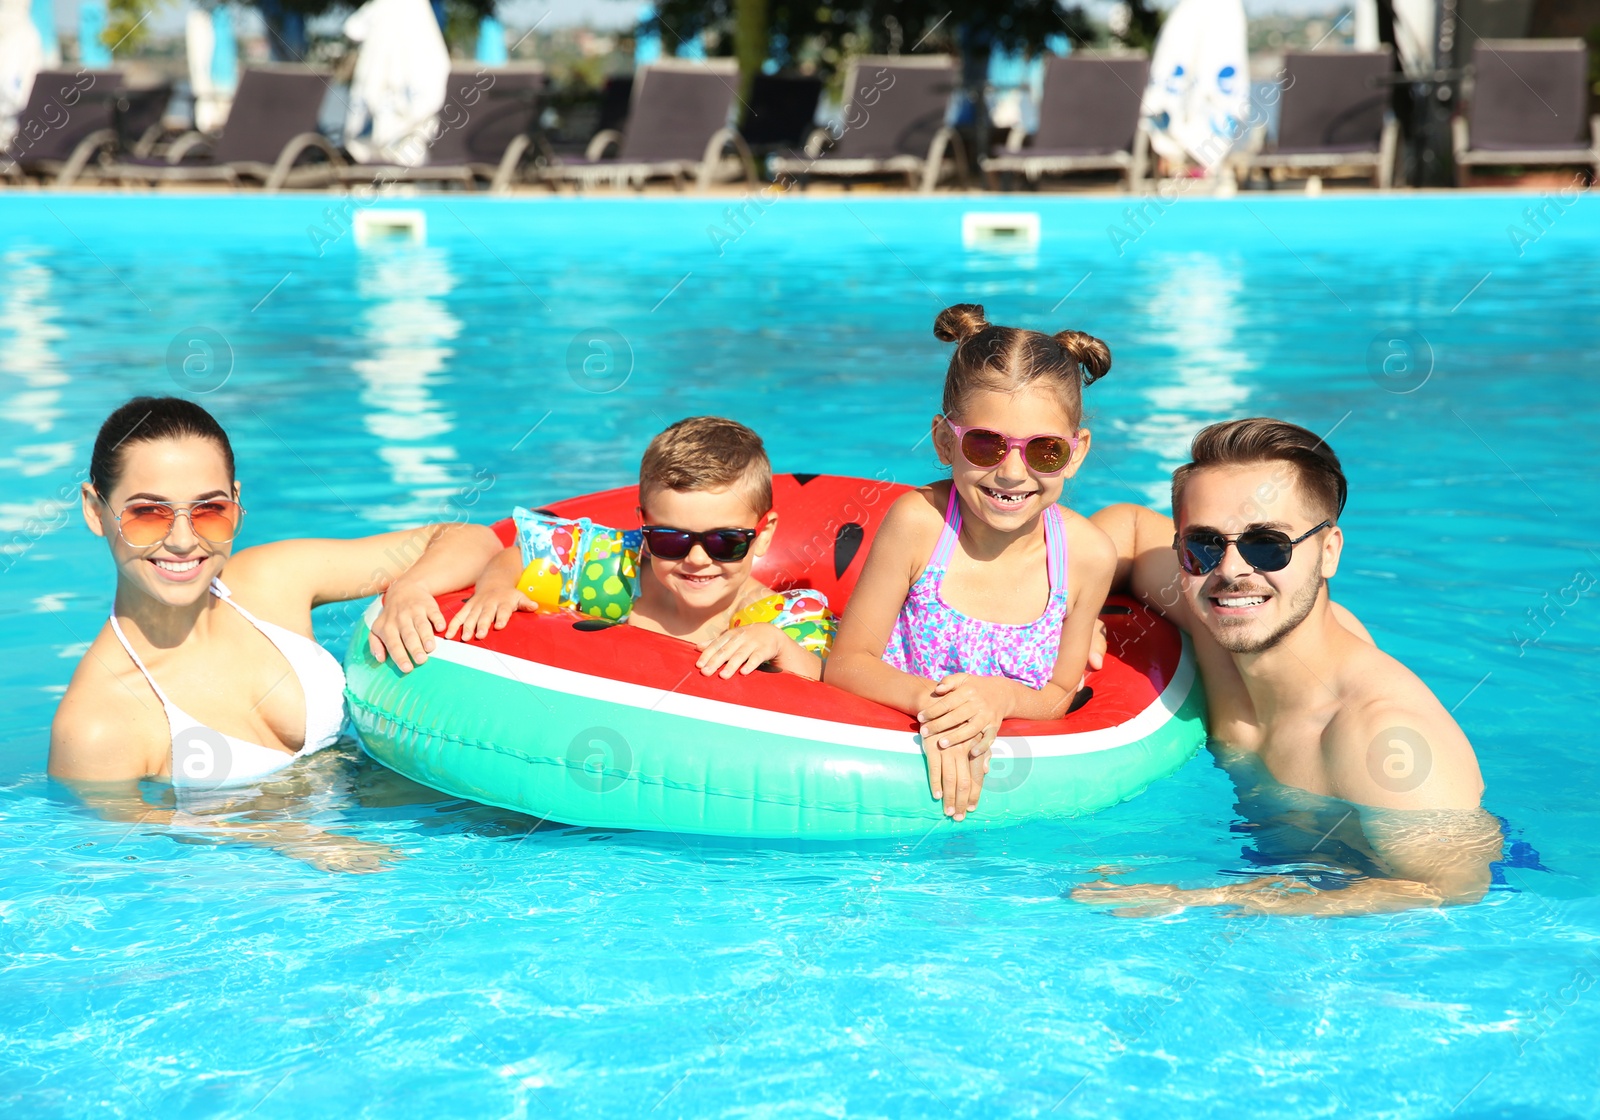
(585, 722)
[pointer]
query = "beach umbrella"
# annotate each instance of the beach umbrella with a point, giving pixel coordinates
(21, 56)
(1199, 92)
(92, 52)
(213, 65)
(399, 82)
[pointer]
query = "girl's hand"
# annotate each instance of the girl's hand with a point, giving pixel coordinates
(958, 725)
(405, 627)
(743, 649)
(491, 608)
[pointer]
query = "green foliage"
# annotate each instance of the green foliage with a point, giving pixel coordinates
(826, 33)
(128, 23)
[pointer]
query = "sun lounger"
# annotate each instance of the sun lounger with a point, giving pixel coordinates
(1528, 107)
(72, 117)
(677, 128)
(1088, 121)
(1332, 118)
(894, 124)
(486, 129)
(272, 124)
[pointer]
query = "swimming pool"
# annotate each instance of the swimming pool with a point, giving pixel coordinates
(504, 969)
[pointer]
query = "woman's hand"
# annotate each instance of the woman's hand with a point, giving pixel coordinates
(405, 627)
(490, 607)
(958, 726)
(742, 649)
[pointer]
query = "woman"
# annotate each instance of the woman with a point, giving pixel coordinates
(214, 685)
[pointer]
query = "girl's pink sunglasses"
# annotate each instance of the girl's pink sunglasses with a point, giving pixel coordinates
(984, 447)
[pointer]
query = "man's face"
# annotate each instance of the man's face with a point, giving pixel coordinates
(1247, 610)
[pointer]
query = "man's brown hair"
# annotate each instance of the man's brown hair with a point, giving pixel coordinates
(1259, 439)
(708, 453)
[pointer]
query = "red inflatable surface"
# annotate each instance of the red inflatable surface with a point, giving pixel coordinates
(825, 527)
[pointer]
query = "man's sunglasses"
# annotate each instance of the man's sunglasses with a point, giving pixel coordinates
(1265, 550)
(724, 546)
(142, 524)
(984, 447)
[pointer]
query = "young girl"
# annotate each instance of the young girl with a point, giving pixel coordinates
(979, 598)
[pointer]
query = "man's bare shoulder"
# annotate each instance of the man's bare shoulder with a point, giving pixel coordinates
(1392, 744)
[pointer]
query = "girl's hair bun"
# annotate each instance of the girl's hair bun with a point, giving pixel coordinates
(959, 322)
(1092, 356)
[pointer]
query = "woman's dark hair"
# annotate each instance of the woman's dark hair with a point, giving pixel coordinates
(145, 420)
(1005, 359)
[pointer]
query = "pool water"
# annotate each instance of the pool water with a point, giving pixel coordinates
(520, 352)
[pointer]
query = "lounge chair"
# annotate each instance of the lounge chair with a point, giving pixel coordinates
(1089, 120)
(73, 117)
(1529, 106)
(1332, 117)
(486, 128)
(782, 111)
(677, 128)
(894, 124)
(272, 124)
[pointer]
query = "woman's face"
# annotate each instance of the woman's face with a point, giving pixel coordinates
(1010, 494)
(178, 570)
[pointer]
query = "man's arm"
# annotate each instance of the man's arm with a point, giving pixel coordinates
(1147, 567)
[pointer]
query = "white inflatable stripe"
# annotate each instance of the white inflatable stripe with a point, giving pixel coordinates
(824, 731)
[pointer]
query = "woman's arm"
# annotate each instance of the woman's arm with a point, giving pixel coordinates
(413, 564)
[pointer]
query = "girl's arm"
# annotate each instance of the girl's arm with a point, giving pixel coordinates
(903, 543)
(899, 550)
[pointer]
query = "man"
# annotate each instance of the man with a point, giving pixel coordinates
(1295, 686)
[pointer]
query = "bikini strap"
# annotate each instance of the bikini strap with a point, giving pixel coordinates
(947, 535)
(220, 590)
(1055, 549)
(116, 628)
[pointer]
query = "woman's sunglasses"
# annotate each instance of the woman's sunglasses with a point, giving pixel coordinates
(1044, 454)
(1265, 550)
(215, 520)
(724, 546)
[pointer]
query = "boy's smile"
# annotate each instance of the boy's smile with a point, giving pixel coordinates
(700, 584)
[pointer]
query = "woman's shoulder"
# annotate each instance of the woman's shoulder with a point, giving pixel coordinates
(110, 725)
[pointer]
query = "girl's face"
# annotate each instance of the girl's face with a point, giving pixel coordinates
(697, 581)
(1008, 496)
(178, 570)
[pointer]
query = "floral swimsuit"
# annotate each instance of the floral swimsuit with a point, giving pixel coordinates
(932, 640)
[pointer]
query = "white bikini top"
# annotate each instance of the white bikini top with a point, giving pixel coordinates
(207, 759)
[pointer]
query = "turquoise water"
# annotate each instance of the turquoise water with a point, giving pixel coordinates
(507, 968)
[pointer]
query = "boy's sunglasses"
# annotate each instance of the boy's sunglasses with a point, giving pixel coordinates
(722, 545)
(1265, 550)
(142, 524)
(984, 447)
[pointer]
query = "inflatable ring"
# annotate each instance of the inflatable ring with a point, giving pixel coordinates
(580, 721)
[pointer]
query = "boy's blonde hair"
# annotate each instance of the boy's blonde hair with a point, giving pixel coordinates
(708, 453)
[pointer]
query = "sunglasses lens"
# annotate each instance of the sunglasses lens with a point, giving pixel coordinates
(724, 545)
(146, 524)
(983, 448)
(1048, 454)
(1201, 554)
(217, 522)
(1266, 551)
(669, 544)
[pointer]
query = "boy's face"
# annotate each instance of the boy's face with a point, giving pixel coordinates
(697, 580)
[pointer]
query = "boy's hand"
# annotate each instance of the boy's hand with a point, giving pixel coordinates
(959, 724)
(743, 649)
(493, 607)
(405, 627)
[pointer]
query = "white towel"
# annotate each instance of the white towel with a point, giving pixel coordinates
(1199, 93)
(399, 84)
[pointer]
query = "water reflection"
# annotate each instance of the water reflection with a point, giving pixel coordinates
(408, 327)
(1194, 312)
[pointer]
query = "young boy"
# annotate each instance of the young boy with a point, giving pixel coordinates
(705, 505)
